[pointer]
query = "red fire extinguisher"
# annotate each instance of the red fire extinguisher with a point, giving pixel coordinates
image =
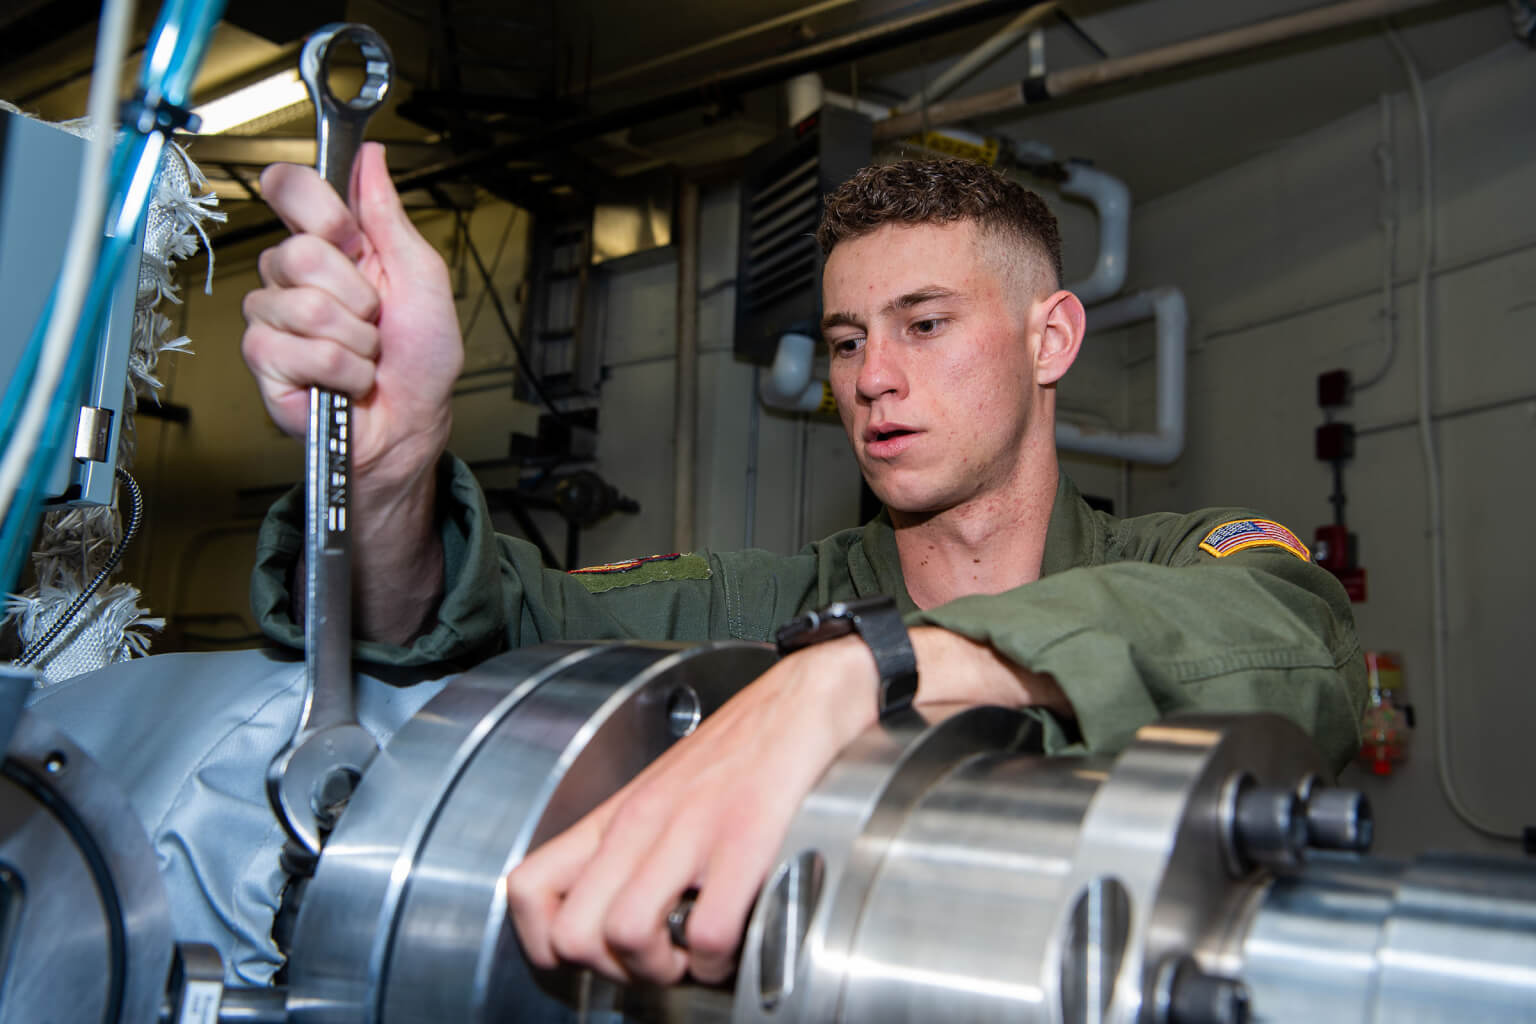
(1388, 715)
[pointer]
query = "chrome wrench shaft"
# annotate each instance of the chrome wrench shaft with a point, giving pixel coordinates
(309, 782)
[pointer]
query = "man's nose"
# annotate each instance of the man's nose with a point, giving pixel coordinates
(881, 372)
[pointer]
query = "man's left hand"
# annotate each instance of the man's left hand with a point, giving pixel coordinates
(711, 812)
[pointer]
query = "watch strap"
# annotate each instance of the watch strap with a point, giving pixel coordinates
(882, 629)
(878, 623)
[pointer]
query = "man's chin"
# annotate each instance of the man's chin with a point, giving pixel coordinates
(908, 503)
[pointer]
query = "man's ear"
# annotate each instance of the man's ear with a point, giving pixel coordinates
(1061, 336)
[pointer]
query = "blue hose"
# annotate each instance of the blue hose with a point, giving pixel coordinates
(171, 60)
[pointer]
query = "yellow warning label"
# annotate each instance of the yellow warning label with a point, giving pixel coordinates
(949, 145)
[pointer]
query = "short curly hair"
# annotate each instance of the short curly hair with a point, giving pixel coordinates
(939, 191)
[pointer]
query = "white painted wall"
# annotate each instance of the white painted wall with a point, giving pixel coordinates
(1281, 259)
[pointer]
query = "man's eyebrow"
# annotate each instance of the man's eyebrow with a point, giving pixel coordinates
(896, 305)
(832, 320)
(918, 297)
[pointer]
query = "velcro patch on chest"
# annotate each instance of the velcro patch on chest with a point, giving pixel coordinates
(650, 569)
(1241, 534)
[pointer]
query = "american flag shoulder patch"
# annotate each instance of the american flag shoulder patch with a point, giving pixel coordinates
(1241, 534)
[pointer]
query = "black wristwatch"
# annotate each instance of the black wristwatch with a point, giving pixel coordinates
(878, 624)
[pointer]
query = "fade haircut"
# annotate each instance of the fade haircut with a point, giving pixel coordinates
(942, 191)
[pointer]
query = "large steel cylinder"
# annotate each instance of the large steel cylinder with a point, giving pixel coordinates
(406, 918)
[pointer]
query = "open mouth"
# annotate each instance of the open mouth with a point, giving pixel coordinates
(886, 435)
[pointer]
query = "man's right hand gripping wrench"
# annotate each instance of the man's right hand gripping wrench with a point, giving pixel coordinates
(310, 781)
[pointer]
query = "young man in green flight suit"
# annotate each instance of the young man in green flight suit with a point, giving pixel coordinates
(948, 331)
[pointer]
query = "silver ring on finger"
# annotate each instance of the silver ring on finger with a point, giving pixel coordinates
(677, 918)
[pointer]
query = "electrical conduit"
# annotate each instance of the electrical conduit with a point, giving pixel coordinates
(1167, 307)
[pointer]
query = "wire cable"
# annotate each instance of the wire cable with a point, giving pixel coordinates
(506, 324)
(177, 43)
(1439, 634)
(63, 314)
(1386, 167)
(40, 647)
(501, 250)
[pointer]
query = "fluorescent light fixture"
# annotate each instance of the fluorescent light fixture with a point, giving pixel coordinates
(254, 102)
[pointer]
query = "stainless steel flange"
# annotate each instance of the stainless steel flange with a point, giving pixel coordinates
(85, 925)
(406, 917)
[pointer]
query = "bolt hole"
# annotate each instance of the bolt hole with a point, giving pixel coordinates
(683, 714)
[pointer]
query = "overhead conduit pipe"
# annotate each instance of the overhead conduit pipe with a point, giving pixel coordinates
(789, 385)
(1112, 201)
(1167, 307)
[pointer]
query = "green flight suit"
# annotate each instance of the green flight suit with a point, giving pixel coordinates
(1130, 616)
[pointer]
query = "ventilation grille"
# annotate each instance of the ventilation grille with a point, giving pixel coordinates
(778, 265)
(780, 247)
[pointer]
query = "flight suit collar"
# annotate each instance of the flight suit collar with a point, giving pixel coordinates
(878, 571)
(1072, 539)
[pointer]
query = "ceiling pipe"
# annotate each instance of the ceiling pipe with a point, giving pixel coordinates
(1057, 84)
(790, 385)
(783, 20)
(995, 46)
(1167, 306)
(827, 53)
(859, 105)
(803, 96)
(1112, 201)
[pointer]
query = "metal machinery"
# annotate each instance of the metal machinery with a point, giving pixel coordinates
(940, 870)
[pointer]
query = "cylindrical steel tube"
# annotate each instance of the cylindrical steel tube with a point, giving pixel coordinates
(406, 917)
(1446, 938)
(1072, 80)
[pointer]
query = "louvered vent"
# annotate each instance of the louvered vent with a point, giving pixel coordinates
(778, 273)
(781, 243)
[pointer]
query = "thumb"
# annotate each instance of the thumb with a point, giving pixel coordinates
(380, 212)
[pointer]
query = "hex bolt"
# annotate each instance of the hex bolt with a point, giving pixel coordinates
(1339, 819)
(1269, 826)
(1186, 994)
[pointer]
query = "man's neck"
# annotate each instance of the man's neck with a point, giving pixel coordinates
(986, 546)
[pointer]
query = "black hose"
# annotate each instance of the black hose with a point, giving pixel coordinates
(135, 515)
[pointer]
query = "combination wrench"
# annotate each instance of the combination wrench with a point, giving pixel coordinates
(311, 779)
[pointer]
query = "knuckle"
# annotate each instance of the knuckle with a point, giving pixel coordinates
(522, 891)
(249, 308)
(315, 313)
(572, 944)
(308, 308)
(330, 364)
(629, 934)
(302, 255)
(638, 808)
(264, 264)
(712, 939)
(708, 969)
